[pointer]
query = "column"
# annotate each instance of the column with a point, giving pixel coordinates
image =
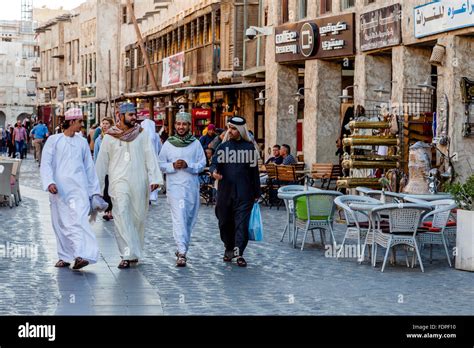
(321, 111)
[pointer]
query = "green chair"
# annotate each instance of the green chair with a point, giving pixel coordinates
(314, 210)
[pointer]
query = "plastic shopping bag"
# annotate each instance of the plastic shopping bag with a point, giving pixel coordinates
(255, 224)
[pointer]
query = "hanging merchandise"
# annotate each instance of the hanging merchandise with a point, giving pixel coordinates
(467, 93)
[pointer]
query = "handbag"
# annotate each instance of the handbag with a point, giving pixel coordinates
(255, 224)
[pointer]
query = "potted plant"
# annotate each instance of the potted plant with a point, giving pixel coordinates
(463, 194)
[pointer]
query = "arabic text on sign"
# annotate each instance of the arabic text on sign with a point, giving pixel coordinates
(287, 49)
(285, 37)
(333, 28)
(332, 45)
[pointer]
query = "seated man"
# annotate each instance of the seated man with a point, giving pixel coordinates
(288, 158)
(277, 159)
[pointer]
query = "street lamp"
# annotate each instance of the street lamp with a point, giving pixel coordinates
(427, 86)
(298, 95)
(345, 97)
(380, 90)
(261, 97)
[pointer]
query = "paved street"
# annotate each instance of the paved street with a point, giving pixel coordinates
(279, 280)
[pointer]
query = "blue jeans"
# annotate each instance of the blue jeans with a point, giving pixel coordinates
(19, 147)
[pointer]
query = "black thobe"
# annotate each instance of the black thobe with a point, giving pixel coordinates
(236, 192)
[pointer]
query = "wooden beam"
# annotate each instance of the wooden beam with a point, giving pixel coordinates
(142, 46)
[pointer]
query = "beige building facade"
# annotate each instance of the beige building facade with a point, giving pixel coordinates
(18, 55)
(390, 67)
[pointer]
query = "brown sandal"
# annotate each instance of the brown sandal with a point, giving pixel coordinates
(62, 264)
(241, 262)
(80, 263)
(181, 261)
(124, 264)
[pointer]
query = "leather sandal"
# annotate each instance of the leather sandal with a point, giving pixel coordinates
(80, 263)
(124, 264)
(181, 260)
(62, 263)
(241, 262)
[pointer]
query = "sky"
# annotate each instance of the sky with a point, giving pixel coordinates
(11, 9)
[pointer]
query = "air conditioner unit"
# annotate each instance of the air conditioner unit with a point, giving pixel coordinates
(127, 62)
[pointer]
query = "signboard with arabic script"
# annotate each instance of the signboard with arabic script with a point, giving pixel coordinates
(328, 37)
(380, 28)
(443, 15)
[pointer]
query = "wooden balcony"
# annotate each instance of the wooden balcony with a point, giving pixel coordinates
(201, 65)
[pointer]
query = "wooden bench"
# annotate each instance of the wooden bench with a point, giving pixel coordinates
(326, 172)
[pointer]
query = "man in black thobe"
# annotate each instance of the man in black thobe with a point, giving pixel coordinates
(235, 166)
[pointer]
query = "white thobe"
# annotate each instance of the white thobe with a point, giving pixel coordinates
(150, 127)
(132, 167)
(67, 163)
(182, 188)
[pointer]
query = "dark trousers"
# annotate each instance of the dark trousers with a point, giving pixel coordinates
(106, 194)
(19, 147)
(234, 217)
(11, 150)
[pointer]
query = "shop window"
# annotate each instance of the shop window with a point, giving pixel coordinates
(303, 8)
(326, 6)
(124, 14)
(285, 12)
(345, 4)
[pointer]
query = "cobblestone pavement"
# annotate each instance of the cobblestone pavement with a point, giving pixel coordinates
(279, 280)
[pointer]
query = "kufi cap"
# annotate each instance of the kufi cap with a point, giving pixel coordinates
(73, 114)
(183, 117)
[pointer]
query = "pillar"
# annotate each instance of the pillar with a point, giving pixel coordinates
(321, 111)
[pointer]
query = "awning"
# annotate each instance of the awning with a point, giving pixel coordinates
(223, 87)
(144, 94)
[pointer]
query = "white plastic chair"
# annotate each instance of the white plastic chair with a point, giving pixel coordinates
(5, 186)
(286, 194)
(434, 224)
(356, 221)
(404, 220)
(316, 212)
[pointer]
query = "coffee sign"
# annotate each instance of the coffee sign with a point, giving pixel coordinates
(320, 38)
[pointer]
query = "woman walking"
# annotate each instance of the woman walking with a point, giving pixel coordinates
(106, 124)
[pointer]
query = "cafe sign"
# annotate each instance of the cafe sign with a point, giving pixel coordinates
(443, 15)
(380, 28)
(328, 37)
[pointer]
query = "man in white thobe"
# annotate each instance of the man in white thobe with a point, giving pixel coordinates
(182, 159)
(67, 172)
(127, 157)
(149, 126)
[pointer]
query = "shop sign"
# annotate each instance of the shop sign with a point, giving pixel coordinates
(320, 38)
(71, 92)
(61, 95)
(87, 92)
(31, 88)
(173, 70)
(218, 95)
(380, 28)
(45, 96)
(443, 15)
(201, 113)
(204, 97)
